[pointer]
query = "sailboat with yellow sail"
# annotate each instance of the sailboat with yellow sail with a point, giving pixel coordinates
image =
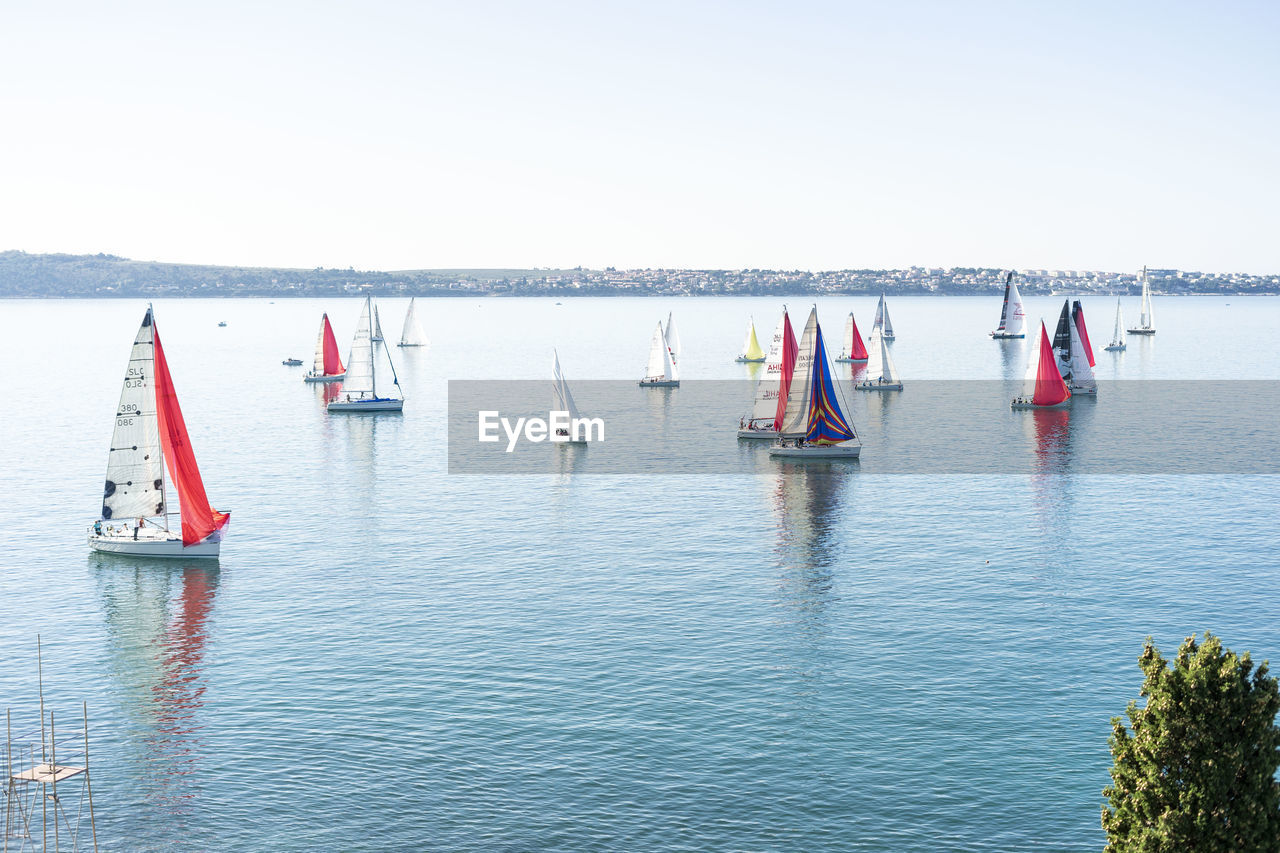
(751, 351)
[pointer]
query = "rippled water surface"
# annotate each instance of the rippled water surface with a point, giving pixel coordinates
(388, 657)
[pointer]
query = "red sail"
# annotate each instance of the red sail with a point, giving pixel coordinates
(857, 349)
(1050, 389)
(1084, 333)
(789, 351)
(199, 520)
(332, 361)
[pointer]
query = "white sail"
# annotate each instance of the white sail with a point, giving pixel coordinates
(1117, 337)
(370, 373)
(1146, 320)
(317, 366)
(135, 463)
(846, 343)
(1081, 372)
(377, 324)
(660, 365)
(766, 405)
(882, 321)
(880, 366)
(888, 324)
(412, 334)
(673, 339)
(795, 423)
(561, 398)
(1016, 317)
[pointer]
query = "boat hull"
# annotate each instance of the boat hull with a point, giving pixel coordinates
(742, 360)
(1001, 336)
(1115, 348)
(879, 386)
(337, 377)
(844, 450)
(366, 406)
(843, 360)
(161, 547)
(660, 383)
(292, 362)
(1142, 331)
(410, 345)
(1083, 392)
(758, 434)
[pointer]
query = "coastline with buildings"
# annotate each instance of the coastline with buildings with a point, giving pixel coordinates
(26, 275)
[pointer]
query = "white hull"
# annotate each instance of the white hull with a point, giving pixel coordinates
(742, 360)
(845, 450)
(1001, 336)
(879, 386)
(1142, 331)
(292, 362)
(843, 360)
(1115, 348)
(1022, 403)
(163, 544)
(890, 337)
(311, 377)
(1082, 392)
(366, 406)
(660, 383)
(758, 434)
(410, 345)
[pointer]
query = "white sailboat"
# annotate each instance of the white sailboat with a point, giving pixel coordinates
(412, 335)
(1073, 360)
(882, 322)
(371, 384)
(562, 401)
(767, 411)
(327, 366)
(852, 348)
(814, 426)
(1117, 337)
(150, 435)
(881, 373)
(1146, 319)
(751, 351)
(1012, 315)
(673, 339)
(661, 369)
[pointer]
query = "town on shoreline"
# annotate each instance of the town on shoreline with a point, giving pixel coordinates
(96, 276)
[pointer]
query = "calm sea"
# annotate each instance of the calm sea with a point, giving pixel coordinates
(389, 657)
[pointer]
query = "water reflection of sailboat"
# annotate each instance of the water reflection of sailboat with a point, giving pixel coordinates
(157, 624)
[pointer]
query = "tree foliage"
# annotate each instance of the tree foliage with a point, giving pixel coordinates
(1195, 769)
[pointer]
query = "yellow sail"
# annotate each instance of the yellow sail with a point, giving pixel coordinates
(751, 349)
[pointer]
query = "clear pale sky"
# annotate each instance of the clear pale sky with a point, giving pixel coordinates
(396, 135)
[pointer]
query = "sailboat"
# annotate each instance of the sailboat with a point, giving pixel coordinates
(1117, 337)
(661, 370)
(366, 387)
(562, 401)
(1073, 362)
(150, 436)
(327, 366)
(882, 321)
(1146, 320)
(751, 351)
(1049, 390)
(1012, 315)
(673, 339)
(412, 335)
(765, 417)
(852, 347)
(813, 426)
(881, 374)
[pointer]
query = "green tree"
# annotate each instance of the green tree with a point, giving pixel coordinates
(1195, 770)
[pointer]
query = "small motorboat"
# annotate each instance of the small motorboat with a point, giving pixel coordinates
(292, 362)
(222, 322)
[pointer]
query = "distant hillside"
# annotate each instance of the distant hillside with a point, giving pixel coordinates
(46, 276)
